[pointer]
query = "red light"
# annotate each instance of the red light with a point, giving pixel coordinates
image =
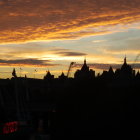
(10, 127)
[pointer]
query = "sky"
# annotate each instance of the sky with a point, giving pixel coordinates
(47, 35)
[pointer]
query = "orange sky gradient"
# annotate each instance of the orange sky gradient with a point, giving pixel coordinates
(49, 34)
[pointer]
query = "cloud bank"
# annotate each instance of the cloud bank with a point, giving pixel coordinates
(103, 66)
(26, 62)
(34, 20)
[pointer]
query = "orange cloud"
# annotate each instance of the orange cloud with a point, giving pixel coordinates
(33, 20)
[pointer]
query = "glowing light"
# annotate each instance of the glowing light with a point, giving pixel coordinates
(10, 127)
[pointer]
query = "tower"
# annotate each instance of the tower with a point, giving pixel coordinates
(85, 72)
(85, 68)
(85, 61)
(126, 71)
(125, 60)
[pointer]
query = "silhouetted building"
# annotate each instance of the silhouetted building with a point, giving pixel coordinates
(138, 75)
(117, 72)
(62, 76)
(111, 72)
(105, 73)
(49, 76)
(85, 72)
(134, 73)
(126, 71)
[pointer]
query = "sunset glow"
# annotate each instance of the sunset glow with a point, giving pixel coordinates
(49, 35)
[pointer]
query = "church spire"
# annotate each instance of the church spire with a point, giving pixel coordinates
(85, 67)
(85, 60)
(125, 60)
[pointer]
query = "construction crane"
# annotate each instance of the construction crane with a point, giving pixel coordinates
(70, 67)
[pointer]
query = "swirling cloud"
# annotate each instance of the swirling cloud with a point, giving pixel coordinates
(33, 20)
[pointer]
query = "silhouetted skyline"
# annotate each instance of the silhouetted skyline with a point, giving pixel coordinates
(69, 69)
(124, 70)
